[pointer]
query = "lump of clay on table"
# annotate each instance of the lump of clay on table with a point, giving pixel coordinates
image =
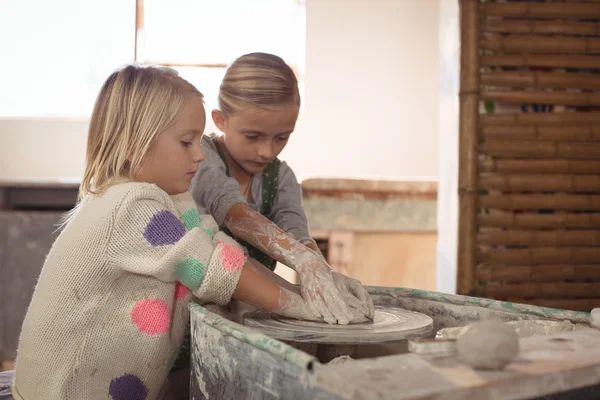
(487, 345)
(595, 318)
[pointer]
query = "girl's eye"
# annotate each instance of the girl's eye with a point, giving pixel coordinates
(251, 137)
(283, 138)
(186, 144)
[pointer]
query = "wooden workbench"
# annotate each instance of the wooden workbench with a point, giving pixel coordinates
(230, 361)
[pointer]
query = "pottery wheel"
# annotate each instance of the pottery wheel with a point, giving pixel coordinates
(389, 324)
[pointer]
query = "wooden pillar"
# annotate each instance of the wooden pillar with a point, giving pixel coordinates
(468, 118)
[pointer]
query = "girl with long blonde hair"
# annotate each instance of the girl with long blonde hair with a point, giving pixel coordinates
(109, 311)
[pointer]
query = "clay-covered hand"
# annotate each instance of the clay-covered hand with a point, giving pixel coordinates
(292, 305)
(355, 294)
(319, 290)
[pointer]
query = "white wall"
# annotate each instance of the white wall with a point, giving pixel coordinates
(447, 215)
(371, 100)
(42, 148)
(371, 90)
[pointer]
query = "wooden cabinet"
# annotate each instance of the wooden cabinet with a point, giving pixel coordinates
(380, 232)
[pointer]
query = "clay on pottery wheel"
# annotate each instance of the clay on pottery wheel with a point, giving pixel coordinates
(390, 324)
(487, 345)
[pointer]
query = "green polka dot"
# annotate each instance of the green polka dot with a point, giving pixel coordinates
(190, 273)
(209, 232)
(191, 219)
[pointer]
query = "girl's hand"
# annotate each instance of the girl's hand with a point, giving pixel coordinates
(319, 290)
(316, 282)
(355, 295)
(292, 305)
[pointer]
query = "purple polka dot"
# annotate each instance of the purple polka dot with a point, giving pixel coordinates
(164, 228)
(127, 387)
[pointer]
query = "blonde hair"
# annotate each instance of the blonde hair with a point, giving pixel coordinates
(135, 105)
(259, 80)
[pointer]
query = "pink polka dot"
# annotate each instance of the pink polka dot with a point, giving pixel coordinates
(180, 291)
(231, 258)
(151, 316)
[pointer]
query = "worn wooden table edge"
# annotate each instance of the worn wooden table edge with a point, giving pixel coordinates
(506, 306)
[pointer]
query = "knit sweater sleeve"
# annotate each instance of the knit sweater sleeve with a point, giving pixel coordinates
(152, 237)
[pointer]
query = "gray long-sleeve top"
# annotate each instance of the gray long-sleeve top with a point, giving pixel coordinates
(217, 193)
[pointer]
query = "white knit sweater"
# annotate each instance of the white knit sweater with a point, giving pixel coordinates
(109, 311)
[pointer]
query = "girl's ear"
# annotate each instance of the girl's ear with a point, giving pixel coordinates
(218, 119)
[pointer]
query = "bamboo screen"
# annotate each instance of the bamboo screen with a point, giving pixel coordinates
(529, 163)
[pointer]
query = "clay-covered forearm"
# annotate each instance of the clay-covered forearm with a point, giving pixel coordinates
(260, 232)
(313, 246)
(316, 281)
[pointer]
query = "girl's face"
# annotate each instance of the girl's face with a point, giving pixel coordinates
(254, 137)
(173, 158)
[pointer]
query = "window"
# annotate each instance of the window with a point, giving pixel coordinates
(200, 38)
(58, 55)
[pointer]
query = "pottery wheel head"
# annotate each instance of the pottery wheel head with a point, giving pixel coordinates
(389, 324)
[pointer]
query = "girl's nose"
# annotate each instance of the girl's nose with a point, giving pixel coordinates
(266, 151)
(198, 155)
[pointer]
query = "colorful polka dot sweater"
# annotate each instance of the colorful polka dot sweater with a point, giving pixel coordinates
(108, 314)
